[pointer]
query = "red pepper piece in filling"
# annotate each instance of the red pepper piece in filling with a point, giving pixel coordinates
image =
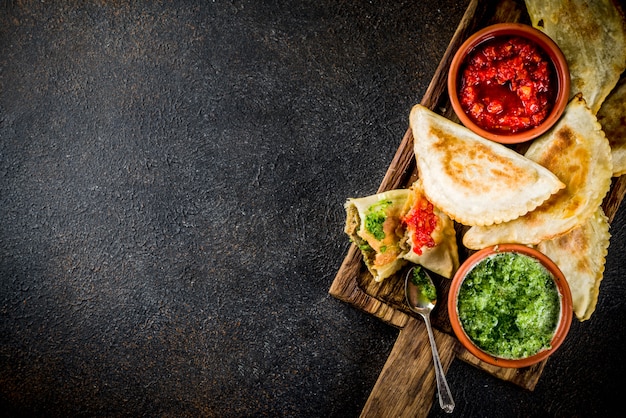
(421, 221)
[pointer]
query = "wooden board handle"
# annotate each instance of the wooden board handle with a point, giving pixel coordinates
(406, 386)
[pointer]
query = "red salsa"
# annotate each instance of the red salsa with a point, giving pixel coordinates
(421, 221)
(507, 85)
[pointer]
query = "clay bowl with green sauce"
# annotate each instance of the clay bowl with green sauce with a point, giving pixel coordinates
(509, 83)
(510, 305)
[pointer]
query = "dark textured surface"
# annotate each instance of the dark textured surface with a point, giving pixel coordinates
(172, 176)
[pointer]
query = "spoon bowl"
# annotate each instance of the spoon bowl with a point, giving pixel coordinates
(421, 297)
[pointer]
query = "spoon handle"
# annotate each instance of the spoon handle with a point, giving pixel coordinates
(445, 396)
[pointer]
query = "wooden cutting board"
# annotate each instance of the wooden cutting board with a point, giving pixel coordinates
(406, 385)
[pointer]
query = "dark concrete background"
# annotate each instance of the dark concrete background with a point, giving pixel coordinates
(172, 179)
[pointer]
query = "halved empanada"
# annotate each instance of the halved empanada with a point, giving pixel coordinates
(473, 180)
(374, 224)
(397, 226)
(592, 36)
(440, 254)
(577, 151)
(581, 254)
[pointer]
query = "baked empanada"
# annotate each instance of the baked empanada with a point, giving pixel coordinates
(473, 180)
(577, 151)
(592, 36)
(581, 255)
(440, 254)
(374, 224)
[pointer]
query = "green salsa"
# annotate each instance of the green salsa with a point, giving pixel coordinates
(426, 287)
(509, 305)
(376, 217)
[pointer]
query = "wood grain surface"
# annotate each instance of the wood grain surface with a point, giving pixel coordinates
(406, 386)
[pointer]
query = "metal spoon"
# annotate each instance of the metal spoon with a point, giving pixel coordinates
(421, 296)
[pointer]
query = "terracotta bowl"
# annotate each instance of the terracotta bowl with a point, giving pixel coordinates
(566, 312)
(551, 51)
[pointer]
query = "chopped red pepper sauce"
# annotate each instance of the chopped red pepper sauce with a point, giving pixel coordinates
(421, 220)
(507, 85)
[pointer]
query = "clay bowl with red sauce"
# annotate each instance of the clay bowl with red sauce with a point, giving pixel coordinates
(509, 83)
(560, 321)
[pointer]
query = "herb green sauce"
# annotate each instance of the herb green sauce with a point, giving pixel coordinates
(376, 217)
(426, 287)
(509, 305)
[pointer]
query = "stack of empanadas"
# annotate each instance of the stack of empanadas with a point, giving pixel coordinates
(578, 153)
(550, 197)
(592, 36)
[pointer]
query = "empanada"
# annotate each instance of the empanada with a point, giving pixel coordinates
(473, 180)
(442, 257)
(581, 254)
(374, 224)
(592, 36)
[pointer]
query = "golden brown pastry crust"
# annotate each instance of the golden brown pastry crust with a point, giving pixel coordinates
(581, 256)
(612, 117)
(443, 258)
(577, 151)
(473, 180)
